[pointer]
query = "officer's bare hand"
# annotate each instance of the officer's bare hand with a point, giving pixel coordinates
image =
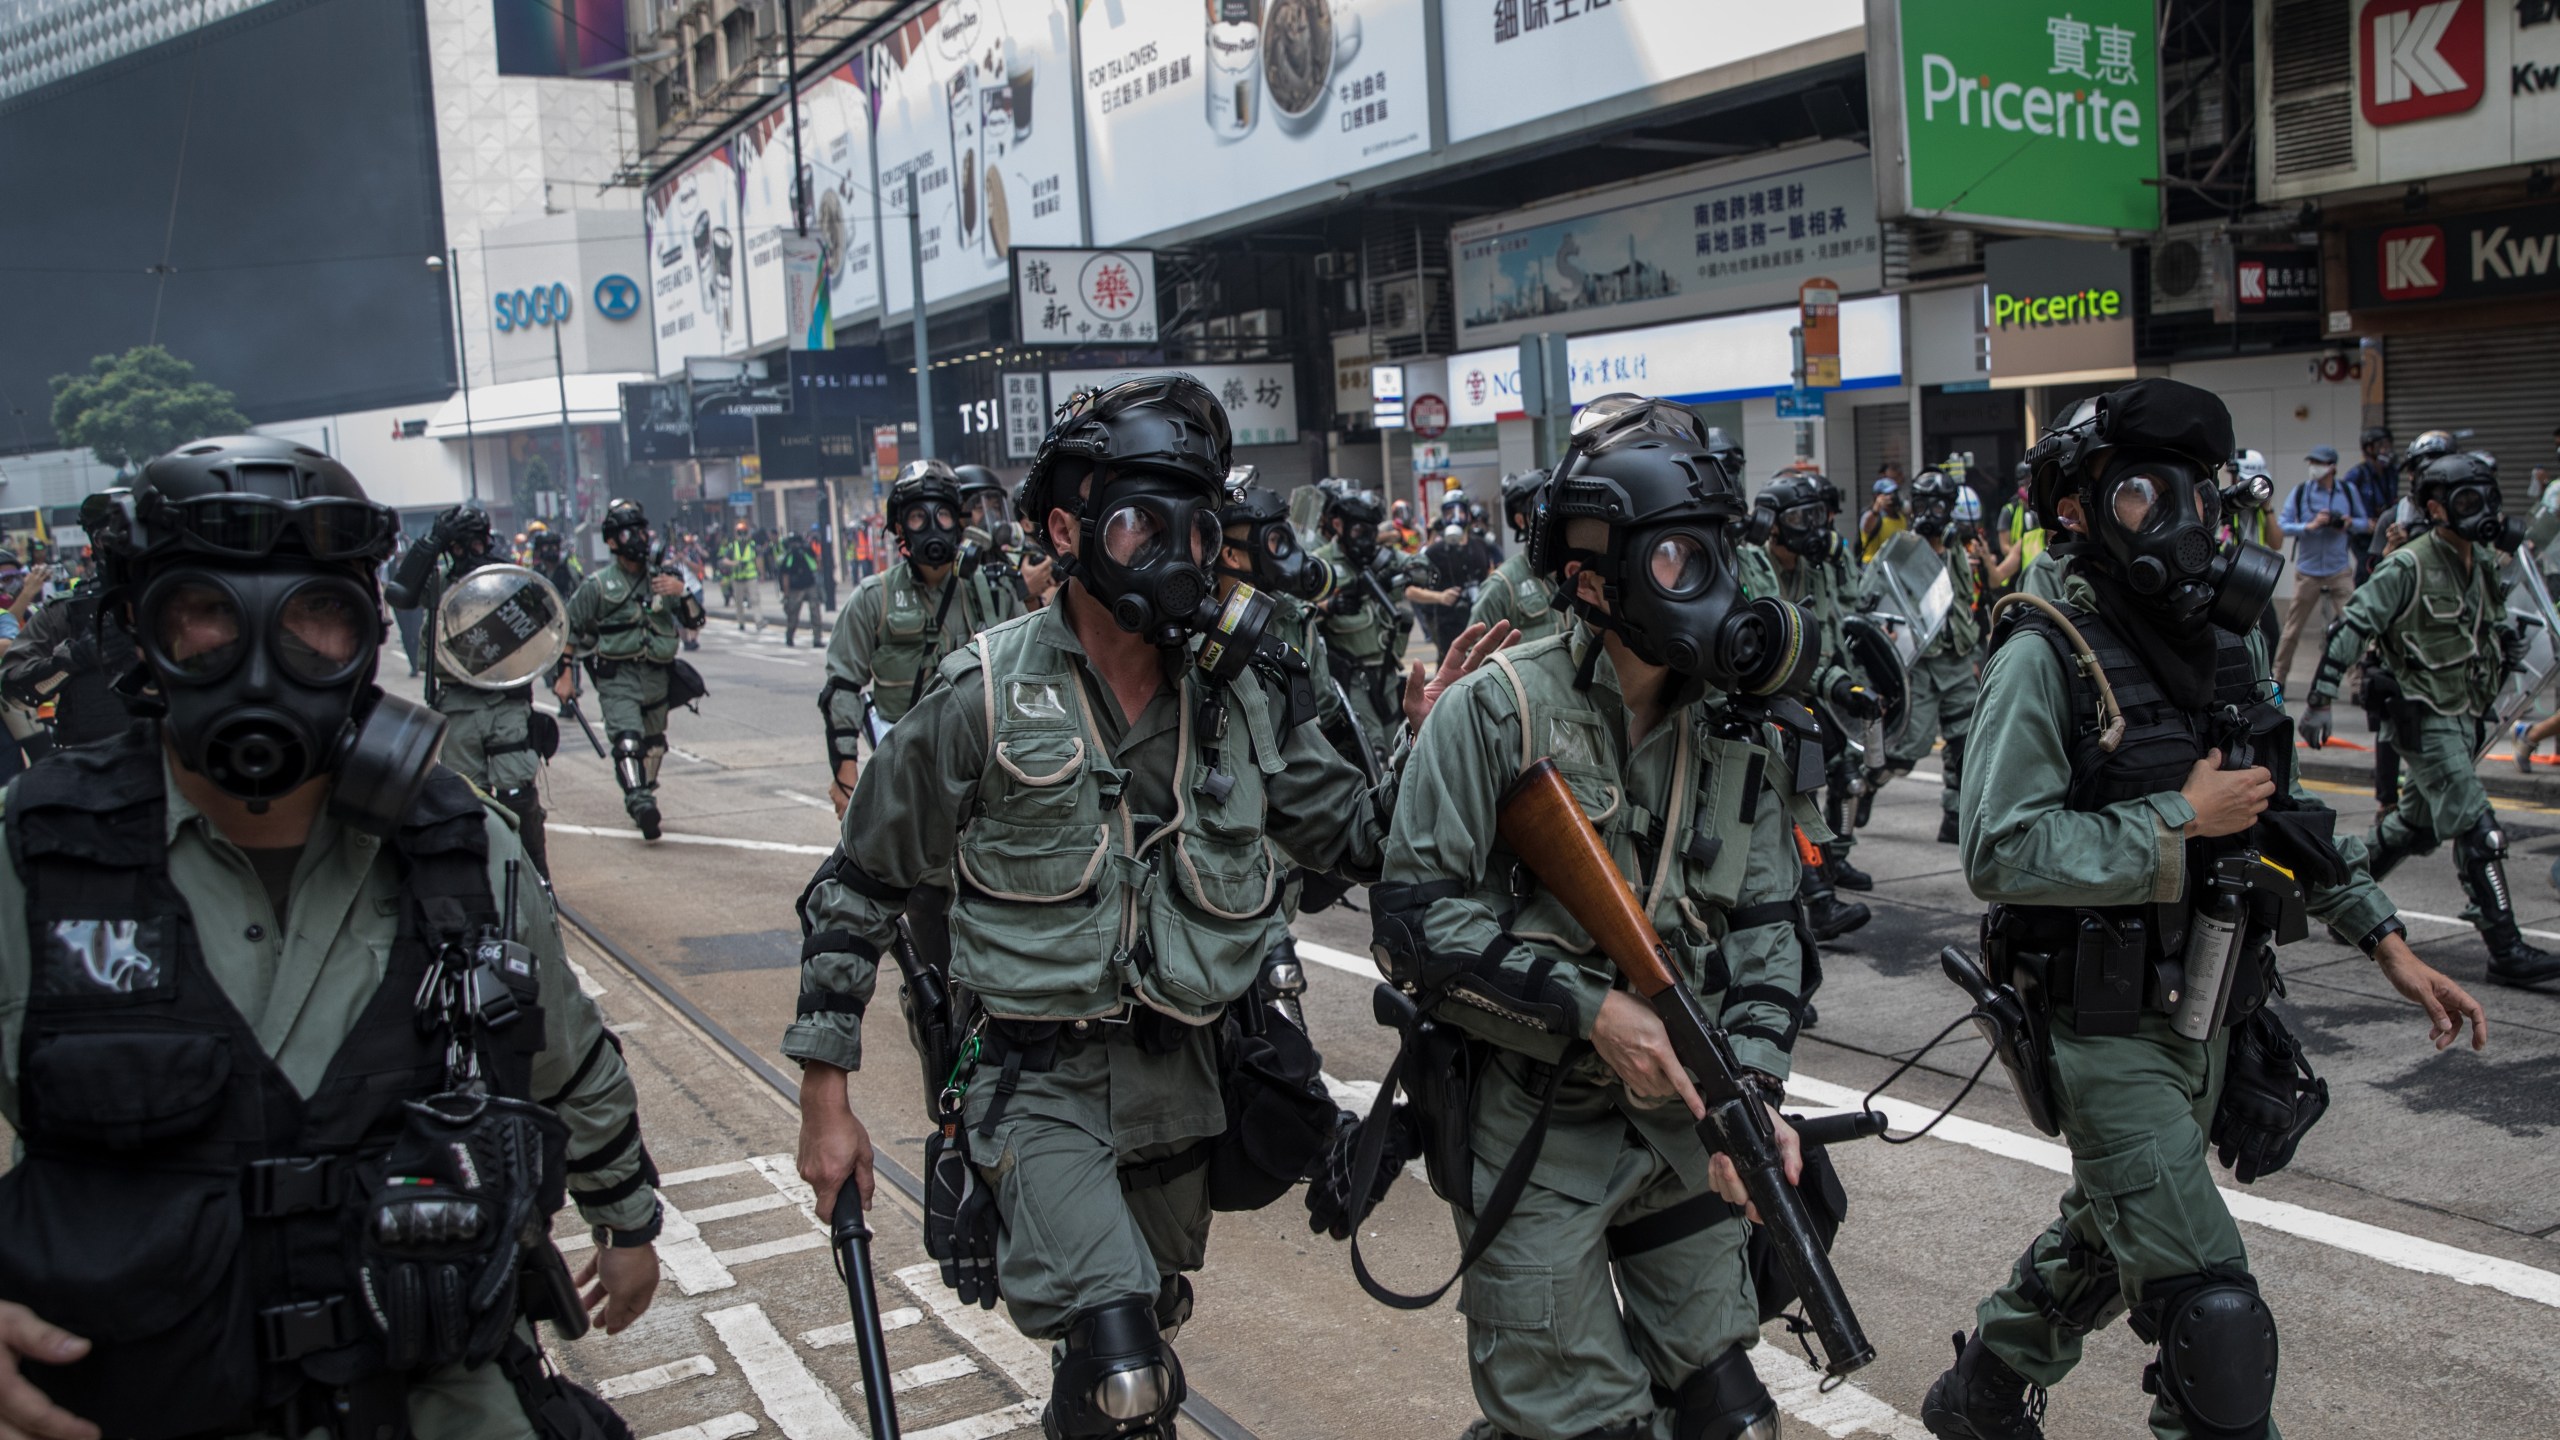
(665, 585)
(2447, 1005)
(25, 1414)
(1632, 1042)
(834, 1148)
(566, 687)
(840, 790)
(617, 1284)
(2226, 802)
(1465, 653)
(1726, 1181)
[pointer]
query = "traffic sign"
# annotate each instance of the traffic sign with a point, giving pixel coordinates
(1429, 416)
(1799, 404)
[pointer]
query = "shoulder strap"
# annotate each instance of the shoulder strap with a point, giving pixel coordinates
(2078, 657)
(1520, 693)
(1498, 1206)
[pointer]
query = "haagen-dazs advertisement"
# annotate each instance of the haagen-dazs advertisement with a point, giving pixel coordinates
(695, 296)
(971, 97)
(1197, 107)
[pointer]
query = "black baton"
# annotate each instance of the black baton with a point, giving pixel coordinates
(853, 1255)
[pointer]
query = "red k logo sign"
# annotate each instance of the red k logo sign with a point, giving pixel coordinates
(2418, 58)
(2411, 262)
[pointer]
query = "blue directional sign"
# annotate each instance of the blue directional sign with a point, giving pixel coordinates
(1800, 404)
(617, 298)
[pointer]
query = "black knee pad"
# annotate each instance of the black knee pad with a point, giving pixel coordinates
(2217, 1365)
(1115, 1376)
(630, 766)
(2486, 839)
(1725, 1401)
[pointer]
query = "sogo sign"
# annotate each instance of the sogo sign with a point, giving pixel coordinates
(2421, 58)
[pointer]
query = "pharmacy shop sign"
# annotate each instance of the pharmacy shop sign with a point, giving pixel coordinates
(2022, 115)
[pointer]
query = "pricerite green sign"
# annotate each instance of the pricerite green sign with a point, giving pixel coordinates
(2022, 114)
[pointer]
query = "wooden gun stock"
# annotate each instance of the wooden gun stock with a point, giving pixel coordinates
(1541, 822)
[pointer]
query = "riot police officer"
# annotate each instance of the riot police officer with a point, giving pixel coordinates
(987, 508)
(253, 962)
(1801, 558)
(1943, 683)
(62, 656)
(1577, 1327)
(2127, 827)
(901, 622)
(493, 737)
(1364, 623)
(551, 561)
(626, 623)
(1515, 593)
(1087, 779)
(2435, 611)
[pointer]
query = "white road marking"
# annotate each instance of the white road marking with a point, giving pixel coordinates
(792, 1398)
(787, 1245)
(586, 983)
(685, 1257)
(752, 1205)
(2458, 923)
(723, 1427)
(1841, 1411)
(1017, 1416)
(705, 1172)
(798, 797)
(1023, 1361)
(675, 838)
(656, 1377)
(772, 659)
(827, 1337)
(2374, 1242)
(932, 1372)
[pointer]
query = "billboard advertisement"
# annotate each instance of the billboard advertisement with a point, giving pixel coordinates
(2017, 114)
(1730, 357)
(1512, 55)
(1261, 400)
(560, 37)
(1718, 237)
(835, 145)
(1193, 108)
(2442, 87)
(695, 297)
(1084, 297)
(970, 97)
(657, 422)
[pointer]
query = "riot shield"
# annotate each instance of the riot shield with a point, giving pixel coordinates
(1909, 582)
(2530, 610)
(499, 627)
(1872, 650)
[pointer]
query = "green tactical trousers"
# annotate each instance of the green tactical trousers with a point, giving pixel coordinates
(1561, 1338)
(488, 737)
(2142, 1206)
(1943, 691)
(634, 700)
(2441, 798)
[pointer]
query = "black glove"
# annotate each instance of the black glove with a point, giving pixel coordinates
(959, 1220)
(1854, 700)
(446, 530)
(2270, 1099)
(442, 1239)
(2511, 648)
(1329, 1207)
(1345, 601)
(2316, 726)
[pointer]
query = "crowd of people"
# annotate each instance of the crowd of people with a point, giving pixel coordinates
(1096, 741)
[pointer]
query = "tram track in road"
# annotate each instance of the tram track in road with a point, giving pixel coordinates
(989, 1338)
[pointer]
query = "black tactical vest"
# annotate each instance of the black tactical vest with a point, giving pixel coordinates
(179, 1203)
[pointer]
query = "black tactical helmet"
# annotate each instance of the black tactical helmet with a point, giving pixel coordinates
(241, 497)
(1726, 449)
(623, 515)
(1168, 425)
(1934, 484)
(1346, 501)
(2430, 446)
(977, 480)
(1632, 461)
(926, 480)
(1520, 491)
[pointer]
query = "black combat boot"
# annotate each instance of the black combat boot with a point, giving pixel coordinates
(2481, 854)
(2515, 961)
(1826, 913)
(646, 817)
(1847, 876)
(1981, 1398)
(1947, 827)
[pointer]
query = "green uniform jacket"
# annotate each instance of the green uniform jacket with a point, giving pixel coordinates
(1528, 601)
(2021, 843)
(1682, 774)
(940, 789)
(2435, 620)
(615, 617)
(301, 981)
(1823, 587)
(884, 639)
(1369, 637)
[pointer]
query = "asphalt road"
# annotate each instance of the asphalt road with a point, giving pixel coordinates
(2409, 1252)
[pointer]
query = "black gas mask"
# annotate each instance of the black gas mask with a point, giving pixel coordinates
(2468, 490)
(1148, 542)
(630, 542)
(2156, 517)
(1677, 600)
(1933, 504)
(929, 533)
(268, 677)
(1358, 542)
(1279, 564)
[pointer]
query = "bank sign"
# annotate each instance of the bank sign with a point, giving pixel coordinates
(2028, 115)
(2493, 255)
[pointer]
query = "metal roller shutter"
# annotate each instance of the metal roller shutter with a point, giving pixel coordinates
(1281, 467)
(1884, 436)
(2494, 383)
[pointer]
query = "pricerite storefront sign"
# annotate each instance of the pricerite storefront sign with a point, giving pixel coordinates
(2059, 309)
(2492, 255)
(2017, 114)
(1084, 297)
(1736, 236)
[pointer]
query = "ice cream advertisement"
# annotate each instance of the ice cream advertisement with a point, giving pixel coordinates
(697, 295)
(1194, 108)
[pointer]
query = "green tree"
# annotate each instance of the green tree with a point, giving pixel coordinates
(142, 403)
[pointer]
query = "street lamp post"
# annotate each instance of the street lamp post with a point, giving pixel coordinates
(451, 263)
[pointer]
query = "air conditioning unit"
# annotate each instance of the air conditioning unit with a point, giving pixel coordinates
(1398, 313)
(2189, 268)
(1258, 325)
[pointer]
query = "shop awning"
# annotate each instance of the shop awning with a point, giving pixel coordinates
(533, 404)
